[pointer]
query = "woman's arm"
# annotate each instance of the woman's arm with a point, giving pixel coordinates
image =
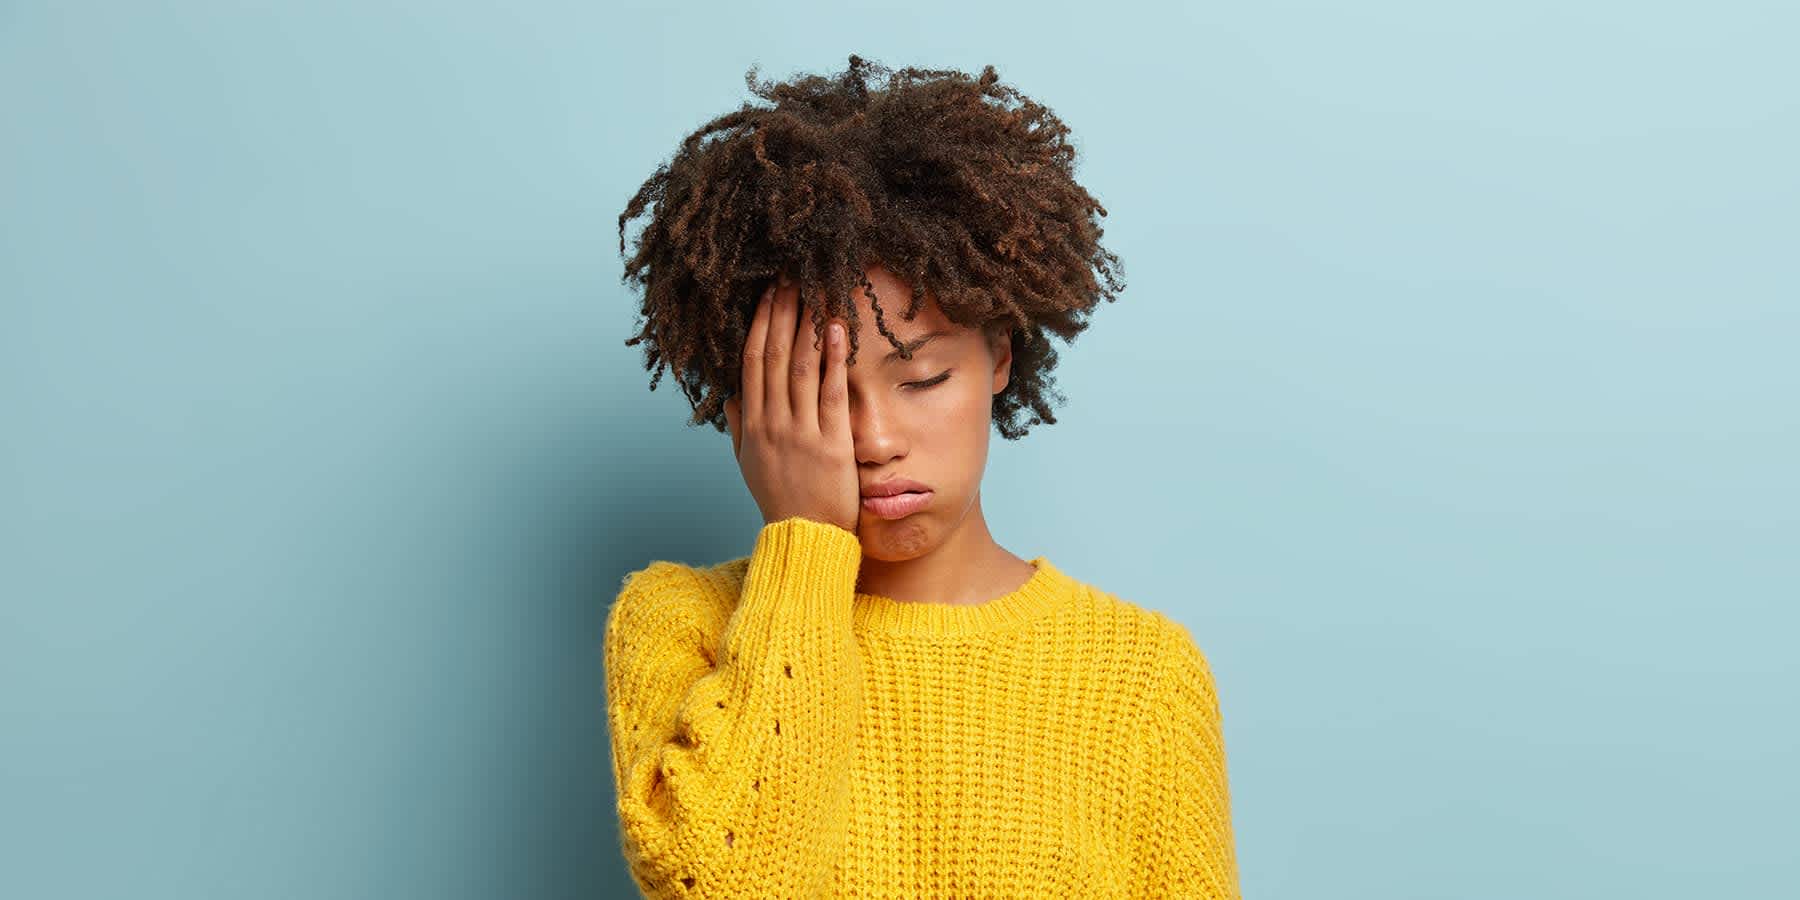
(733, 772)
(1186, 848)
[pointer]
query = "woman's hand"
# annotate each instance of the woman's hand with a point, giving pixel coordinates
(790, 421)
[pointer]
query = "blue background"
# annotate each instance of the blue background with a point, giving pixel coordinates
(1451, 405)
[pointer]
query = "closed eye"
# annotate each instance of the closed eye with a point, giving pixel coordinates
(929, 383)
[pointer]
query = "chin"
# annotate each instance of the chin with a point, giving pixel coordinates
(894, 540)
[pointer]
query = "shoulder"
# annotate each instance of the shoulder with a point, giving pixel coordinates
(1159, 633)
(1175, 663)
(1187, 684)
(1156, 649)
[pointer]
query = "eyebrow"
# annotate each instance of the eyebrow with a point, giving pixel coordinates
(914, 344)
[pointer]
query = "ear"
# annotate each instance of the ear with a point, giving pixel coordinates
(1000, 347)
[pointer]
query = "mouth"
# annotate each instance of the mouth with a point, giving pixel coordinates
(898, 506)
(895, 486)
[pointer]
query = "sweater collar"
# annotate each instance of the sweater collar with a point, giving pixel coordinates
(1040, 595)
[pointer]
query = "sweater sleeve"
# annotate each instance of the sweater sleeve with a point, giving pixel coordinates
(1186, 848)
(732, 745)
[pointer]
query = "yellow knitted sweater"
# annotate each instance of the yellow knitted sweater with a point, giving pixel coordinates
(776, 733)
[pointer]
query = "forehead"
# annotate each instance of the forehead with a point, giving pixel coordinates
(895, 293)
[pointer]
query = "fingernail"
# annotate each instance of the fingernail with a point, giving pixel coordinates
(837, 333)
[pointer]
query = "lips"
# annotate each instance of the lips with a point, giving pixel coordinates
(894, 486)
(898, 506)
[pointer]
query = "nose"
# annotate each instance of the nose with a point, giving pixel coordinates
(873, 431)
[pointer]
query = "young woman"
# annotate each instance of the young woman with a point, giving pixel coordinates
(880, 700)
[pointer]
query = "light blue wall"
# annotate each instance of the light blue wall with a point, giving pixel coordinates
(1452, 405)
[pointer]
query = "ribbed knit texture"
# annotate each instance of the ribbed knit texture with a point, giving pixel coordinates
(776, 733)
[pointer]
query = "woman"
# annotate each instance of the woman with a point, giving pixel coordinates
(880, 700)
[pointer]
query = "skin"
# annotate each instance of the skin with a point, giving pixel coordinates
(935, 434)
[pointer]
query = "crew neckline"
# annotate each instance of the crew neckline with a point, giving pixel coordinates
(1039, 595)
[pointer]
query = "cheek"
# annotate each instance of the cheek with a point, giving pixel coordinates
(955, 424)
(960, 404)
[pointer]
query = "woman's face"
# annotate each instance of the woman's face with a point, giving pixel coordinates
(927, 418)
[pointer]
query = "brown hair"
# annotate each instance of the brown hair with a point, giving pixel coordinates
(962, 186)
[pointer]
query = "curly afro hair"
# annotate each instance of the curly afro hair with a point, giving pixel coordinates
(961, 186)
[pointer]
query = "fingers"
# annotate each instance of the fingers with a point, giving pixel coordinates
(834, 407)
(752, 377)
(791, 377)
(778, 355)
(809, 350)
